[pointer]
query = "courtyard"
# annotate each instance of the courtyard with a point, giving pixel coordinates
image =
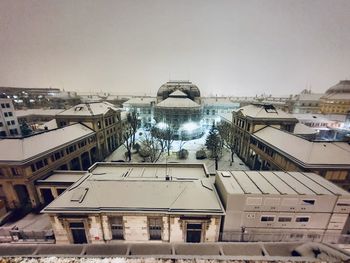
(192, 146)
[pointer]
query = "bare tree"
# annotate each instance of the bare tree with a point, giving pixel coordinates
(164, 137)
(127, 136)
(133, 123)
(227, 137)
(152, 147)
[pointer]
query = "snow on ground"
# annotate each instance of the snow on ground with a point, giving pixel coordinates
(192, 146)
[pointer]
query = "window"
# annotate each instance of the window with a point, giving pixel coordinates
(5, 114)
(307, 202)
(10, 114)
(13, 132)
(7, 105)
(267, 219)
(155, 228)
(3, 105)
(117, 227)
(99, 124)
(33, 167)
(39, 164)
(13, 122)
(285, 219)
(302, 219)
(57, 155)
(15, 171)
(8, 123)
(1, 124)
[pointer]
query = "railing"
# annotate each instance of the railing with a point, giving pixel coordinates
(244, 236)
(31, 236)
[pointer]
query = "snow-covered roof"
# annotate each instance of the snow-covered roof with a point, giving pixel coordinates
(310, 96)
(89, 109)
(264, 111)
(220, 101)
(22, 149)
(178, 93)
(172, 102)
(277, 183)
(337, 96)
(302, 129)
(43, 112)
(50, 125)
(304, 151)
(142, 101)
(143, 188)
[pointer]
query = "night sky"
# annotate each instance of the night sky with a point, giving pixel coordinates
(232, 47)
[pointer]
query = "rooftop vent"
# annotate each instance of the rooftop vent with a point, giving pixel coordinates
(79, 194)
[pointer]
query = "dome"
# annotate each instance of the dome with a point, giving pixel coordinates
(342, 87)
(186, 87)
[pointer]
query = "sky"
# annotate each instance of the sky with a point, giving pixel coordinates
(237, 48)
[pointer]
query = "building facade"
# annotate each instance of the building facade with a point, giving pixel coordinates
(273, 149)
(155, 202)
(103, 118)
(144, 108)
(337, 99)
(251, 118)
(181, 114)
(29, 159)
(306, 102)
(8, 121)
(274, 206)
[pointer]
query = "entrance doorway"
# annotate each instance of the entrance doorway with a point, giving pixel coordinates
(78, 232)
(194, 232)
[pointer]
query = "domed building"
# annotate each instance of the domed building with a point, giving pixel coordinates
(191, 90)
(179, 109)
(337, 99)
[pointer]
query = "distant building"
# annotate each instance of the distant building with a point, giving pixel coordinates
(251, 118)
(178, 107)
(330, 127)
(103, 118)
(23, 161)
(144, 108)
(35, 117)
(138, 202)
(307, 102)
(213, 108)
(8, 121)
(273, 149)
(337, 99)
(281, 206)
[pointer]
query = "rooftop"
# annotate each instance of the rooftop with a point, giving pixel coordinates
(342, 87)
(22, 149)
(278, 183)
(140, 188)
(89, 109)
(304, 151)
(264, 111)
(178, 93)
(302, 129)
(63, 177)
(43, 112)
(140, 101)
(174, 102)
